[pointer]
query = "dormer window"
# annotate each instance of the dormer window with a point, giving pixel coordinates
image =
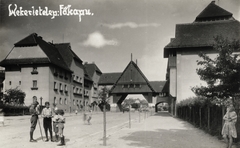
(34, 71)
(55, 72)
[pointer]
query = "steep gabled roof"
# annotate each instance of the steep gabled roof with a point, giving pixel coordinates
(159, 86)
(27, 41)
(109, 78)
(92, 68)
(132, 75)
(211, 22)
(213, 11)
(86, 75)
(63, 49)
(53, 55)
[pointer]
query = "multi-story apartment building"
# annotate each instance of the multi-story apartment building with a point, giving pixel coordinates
(51, 72)
(192, 39)
(95, 74)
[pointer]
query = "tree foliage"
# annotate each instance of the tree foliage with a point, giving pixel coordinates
(222, 74)
(14, 96)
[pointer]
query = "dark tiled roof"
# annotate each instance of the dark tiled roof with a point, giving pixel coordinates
(67, 55)
(159, 86)
(27, 41)
(211, 22)
(49, 49)
(24, 61)
(136, 68)
(202, 34)
(53, 54)
(86, 75)
(92, 68)
(109, 78)
(213, 11)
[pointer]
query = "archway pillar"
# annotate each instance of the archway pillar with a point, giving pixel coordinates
(148, 97)
(118, 99)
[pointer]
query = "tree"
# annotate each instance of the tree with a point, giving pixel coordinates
(14, 96)
(222, 74)
(103, 95)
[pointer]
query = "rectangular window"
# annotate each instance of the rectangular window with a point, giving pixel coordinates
(55, 72)
(34, 87)
(34, 83)
(19, 82)
(66, 90)
(74, 90)
(55, 86)
(60, 87)
(10, 82)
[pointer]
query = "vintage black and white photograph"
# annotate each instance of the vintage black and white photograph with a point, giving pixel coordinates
(120, 73)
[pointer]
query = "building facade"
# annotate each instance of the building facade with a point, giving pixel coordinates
(51, 72)
(190, 40)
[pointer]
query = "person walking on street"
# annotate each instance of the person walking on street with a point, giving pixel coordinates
(60, 123)
(229, 130)
(34, 111)
(55, 128)
(89, 117)
(47, 115)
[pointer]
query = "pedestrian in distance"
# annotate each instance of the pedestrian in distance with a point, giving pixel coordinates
(54, 119)
(229, 130)
(84, 117)
(60, 124)
(2, 116)
(47, 115)
(89, 117)
(34, 111)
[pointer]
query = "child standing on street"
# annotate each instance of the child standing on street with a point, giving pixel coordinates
(89, 117)
(47, 115)
(55, 128)
(229, 130)
(60, 124)
(34, 111)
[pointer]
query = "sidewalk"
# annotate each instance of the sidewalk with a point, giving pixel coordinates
(158, 131)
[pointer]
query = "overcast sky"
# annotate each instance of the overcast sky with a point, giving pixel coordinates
(110, 32)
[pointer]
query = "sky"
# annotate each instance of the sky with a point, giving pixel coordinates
(105, 32)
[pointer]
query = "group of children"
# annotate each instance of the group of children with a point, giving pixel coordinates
(50, 116)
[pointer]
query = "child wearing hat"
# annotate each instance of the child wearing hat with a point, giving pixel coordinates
(34, 111)
(60, 124)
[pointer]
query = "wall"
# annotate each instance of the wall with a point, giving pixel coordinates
(186, 73)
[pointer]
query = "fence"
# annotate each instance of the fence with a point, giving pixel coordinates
(205, 117)
(208, 118)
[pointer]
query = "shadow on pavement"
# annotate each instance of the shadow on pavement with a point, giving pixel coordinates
(162, 114)
(173, 138)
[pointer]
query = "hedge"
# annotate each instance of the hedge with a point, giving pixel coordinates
(10, 110)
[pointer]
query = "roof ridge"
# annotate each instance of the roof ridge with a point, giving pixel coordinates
(213, 12)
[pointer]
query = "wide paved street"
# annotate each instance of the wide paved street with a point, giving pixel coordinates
(157, 131)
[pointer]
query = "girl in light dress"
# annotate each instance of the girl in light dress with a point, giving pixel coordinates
(229, 130)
